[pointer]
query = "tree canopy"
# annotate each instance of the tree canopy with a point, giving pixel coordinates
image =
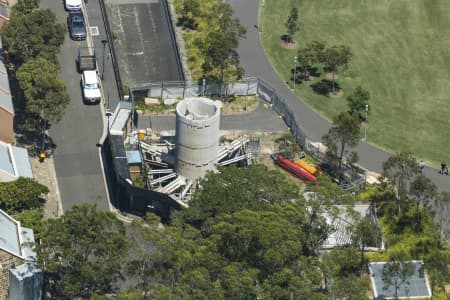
(292, 24)
(357, 102)
(21, 194)
(336, 58)
(32, 34)
(344, 133)
(81, 252)
(44, 93)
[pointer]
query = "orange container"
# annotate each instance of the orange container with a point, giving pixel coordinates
(311, 169)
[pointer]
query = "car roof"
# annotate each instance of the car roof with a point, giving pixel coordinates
(90, 76)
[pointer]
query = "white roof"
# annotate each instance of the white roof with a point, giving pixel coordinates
(90, 76)
(15, 239)
(14, 162)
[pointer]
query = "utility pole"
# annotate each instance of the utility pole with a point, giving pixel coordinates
(366, 120)
(103, 59)
(295, 72)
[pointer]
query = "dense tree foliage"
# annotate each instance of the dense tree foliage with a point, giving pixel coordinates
(45, 94)
(235, 189)
(21, 194)
(309, 56)
(344, 133)
(211, 35)
(357, 102)
(82, 252)
(32, 34)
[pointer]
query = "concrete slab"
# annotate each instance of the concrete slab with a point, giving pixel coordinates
(142, 41)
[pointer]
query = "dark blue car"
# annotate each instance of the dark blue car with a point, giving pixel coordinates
(77, 26)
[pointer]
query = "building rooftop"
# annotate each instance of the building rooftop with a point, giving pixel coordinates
(6, 102)
(416, 286)
(14, 162)
(15, 239)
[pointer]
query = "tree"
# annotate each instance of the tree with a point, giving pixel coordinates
(292, 24)
(336, 58)
(310, 55)
(364, 234)
(345, 132)
(219, 62)
(81, 252)
(21, 194)
(45, 95)
(349, 288)
(424, 191)
(34, 34)
(357, 102)
(399, 169)
(24, 7)
(395, 274)
(442, 206)
(235, 189)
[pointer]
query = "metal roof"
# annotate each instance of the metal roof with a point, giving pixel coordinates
(417, 285)
(6, 102)
(4, 81)
(9, 234)
(22, 162)
(134, 157)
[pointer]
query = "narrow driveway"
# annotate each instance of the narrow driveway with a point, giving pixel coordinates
(255, 63)
(76, 156)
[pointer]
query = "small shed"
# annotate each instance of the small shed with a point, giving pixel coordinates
(415, 287)
(134, 160)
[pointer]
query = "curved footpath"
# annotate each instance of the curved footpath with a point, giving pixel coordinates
(255, 63)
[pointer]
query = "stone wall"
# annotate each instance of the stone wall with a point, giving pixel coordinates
(7, 261)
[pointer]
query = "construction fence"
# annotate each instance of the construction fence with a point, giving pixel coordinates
(181, 89)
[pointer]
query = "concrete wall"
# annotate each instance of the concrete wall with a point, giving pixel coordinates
(6, 127)
(197, 136)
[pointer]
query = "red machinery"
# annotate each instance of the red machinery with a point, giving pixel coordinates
(294, 169)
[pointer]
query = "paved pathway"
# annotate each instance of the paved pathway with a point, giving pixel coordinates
(255, 63)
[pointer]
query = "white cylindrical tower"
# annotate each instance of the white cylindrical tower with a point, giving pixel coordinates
(197, 136)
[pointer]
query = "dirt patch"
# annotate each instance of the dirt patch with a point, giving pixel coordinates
(329, 76)
(338, 94)
(291, 46)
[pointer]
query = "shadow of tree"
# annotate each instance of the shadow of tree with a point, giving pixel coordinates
(324, 87)
(28, 126)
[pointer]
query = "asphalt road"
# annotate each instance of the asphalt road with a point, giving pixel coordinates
(255, 63)
(76, 156)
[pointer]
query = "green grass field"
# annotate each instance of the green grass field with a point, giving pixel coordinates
(401, 54)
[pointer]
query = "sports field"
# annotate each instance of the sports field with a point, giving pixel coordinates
(401, 54)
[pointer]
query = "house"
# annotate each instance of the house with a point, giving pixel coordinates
(17, 262)
(6, 107)
(14, 163)
(415, 286)
(343, 219)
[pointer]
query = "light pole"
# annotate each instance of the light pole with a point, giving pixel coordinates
(262, 18)
(295, 71)
(204, 85)
(366, 120)
(103, 59)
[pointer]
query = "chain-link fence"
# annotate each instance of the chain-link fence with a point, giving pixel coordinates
(180, 89)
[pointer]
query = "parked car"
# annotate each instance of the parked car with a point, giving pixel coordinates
(90, 85)
(77, 26)
(72, 4)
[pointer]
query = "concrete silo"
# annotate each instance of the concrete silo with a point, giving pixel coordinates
(197, 136)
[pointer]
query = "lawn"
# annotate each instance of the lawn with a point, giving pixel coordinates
(401, 54)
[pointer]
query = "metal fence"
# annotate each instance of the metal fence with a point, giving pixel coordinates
(181, 89)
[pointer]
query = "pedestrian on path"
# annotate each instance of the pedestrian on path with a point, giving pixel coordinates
(444, 169)
(421, 166)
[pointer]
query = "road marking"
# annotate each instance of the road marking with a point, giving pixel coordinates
(94, 30)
